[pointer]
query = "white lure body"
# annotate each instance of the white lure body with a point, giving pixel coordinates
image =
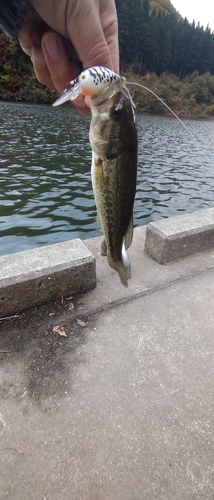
(90, 82)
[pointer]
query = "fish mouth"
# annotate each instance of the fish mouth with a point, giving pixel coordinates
(106, 95)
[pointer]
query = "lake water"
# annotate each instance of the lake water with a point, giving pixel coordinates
(45, 181)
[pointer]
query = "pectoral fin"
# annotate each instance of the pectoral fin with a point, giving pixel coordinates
(129, 234)
(99, 222)
(103, 248)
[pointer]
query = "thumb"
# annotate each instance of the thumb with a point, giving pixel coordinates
(86, 32)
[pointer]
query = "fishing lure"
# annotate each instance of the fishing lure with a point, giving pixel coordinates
(113, 138)
(90, 82)
(94, 80)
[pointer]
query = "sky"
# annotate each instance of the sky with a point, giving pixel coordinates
(199, 10)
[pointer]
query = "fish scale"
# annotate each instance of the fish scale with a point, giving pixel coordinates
(113, 139)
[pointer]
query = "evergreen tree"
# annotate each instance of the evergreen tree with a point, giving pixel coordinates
(152, 40)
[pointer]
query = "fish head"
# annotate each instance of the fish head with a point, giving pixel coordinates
(122, 108)
(112, 126)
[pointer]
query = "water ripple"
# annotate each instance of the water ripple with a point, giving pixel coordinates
(45, 182)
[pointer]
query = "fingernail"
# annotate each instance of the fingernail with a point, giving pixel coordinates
(52, 46)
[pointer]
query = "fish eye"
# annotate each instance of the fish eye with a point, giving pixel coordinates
(116, 113)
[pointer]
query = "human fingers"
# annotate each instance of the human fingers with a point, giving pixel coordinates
(86, 32)
(31, 32)
(30, 37)
(91, 26)
(61, 68)
(30, 41)
(109, 23)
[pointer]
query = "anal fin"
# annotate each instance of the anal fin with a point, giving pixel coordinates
(129, 234)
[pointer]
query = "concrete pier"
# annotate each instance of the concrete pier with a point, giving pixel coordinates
(110, 394)
(38, 276)
(177, 237)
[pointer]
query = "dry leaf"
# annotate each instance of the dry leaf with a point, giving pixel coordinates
(81, 323)
(60, 330)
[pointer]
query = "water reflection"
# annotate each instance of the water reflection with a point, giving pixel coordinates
(45, 181)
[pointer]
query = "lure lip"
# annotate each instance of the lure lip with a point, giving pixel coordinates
(70, 93)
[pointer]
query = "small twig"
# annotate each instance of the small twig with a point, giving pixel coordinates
(10, 317)
(134, 323)
(2, 351)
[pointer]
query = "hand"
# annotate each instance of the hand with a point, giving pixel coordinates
(62, 37)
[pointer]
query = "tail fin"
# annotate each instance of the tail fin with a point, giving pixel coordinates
(119, 267)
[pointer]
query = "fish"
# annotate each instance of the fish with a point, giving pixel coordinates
(114, 144)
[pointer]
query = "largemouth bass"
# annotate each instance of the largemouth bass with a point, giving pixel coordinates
(113, 139)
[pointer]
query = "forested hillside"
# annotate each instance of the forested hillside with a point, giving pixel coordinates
(165, 6)
(158, 41)
(157, 47)
(17, 79)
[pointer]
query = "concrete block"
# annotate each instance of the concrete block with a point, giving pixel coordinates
(172, 239)
(44, 274)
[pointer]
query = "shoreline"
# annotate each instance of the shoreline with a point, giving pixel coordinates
(139, 110)
(34, 277)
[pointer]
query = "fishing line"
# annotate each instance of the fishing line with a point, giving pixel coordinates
(161, 100)
(95, 80)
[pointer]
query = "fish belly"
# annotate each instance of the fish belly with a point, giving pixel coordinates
(111, 211)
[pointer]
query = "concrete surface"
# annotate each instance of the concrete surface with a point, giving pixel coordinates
(177, 237)
(43, 274)
(122, 407)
